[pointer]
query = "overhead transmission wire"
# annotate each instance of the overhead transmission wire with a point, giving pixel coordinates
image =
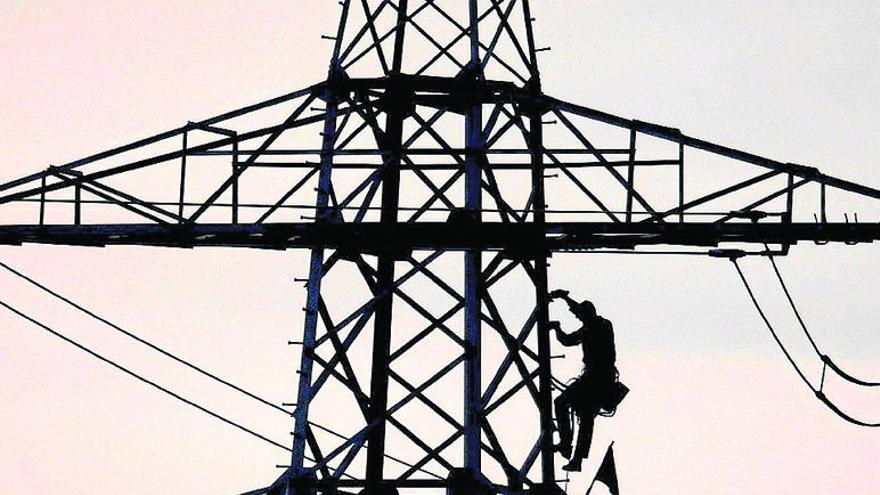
(825, 358)
(135, 375)
(176, 358)
(153, 384)
(818, 392)
(141, 340)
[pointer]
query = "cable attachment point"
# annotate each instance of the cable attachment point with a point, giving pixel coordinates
(731, 254)
(827, 361)
(753, 215)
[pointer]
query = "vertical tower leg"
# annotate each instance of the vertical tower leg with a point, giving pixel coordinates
(384, 308)
(472, 309)
(475, 146)
(379, 377)
(316, 273)
(472, 270)
(391, 154)
(545, 377)
(545, 385)
(472, 363)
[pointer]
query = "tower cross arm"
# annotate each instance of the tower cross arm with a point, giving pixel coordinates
(675, 135)
(376, 237)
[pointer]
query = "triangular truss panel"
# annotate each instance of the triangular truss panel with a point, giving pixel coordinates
(596, 169)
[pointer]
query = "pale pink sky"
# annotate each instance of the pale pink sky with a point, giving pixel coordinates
(714, 408)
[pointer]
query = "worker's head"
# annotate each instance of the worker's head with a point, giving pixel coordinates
(584, 311)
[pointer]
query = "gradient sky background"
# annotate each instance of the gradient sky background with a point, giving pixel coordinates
(714, 409)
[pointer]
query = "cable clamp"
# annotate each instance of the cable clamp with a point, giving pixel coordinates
(731, 254)
(753, 215)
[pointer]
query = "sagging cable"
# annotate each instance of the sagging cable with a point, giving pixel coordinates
(819, 394)
(846, 376)
(825, 358)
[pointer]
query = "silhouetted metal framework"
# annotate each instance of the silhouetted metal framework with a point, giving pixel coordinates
(438, 162)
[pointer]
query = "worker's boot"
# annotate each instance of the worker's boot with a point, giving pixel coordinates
(573, 465)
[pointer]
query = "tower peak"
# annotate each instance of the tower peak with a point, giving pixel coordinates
(378, 38)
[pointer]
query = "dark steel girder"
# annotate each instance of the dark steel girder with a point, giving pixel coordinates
(402, 238)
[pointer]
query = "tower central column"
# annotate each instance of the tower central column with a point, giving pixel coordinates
(475, 145)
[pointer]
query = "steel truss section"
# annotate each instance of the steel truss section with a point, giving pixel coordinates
(112, 187)
(441, 186)
(513, 379)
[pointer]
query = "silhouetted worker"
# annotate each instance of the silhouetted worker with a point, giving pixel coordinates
(596, 389)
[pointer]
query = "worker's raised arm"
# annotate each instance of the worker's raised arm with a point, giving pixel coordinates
(562, 294)
(566, 339)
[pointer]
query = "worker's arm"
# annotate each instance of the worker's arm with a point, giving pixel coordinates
(563, 294)
(566, 339)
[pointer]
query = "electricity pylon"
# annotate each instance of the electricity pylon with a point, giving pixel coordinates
(440, 182)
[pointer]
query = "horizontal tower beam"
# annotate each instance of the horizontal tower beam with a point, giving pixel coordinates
(374, 237)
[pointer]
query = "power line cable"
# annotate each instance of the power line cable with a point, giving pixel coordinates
(143, 379)
(794, 308)
(825, 358)
(185, 362)
(819, 394)
(152, 383)
(141, 340)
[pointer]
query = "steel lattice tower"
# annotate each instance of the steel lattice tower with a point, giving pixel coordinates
(393, 89)
(438, 156)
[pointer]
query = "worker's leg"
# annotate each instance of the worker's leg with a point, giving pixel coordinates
(562, 404)
(585, 436)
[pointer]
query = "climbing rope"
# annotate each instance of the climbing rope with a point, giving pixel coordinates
(818, 392)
